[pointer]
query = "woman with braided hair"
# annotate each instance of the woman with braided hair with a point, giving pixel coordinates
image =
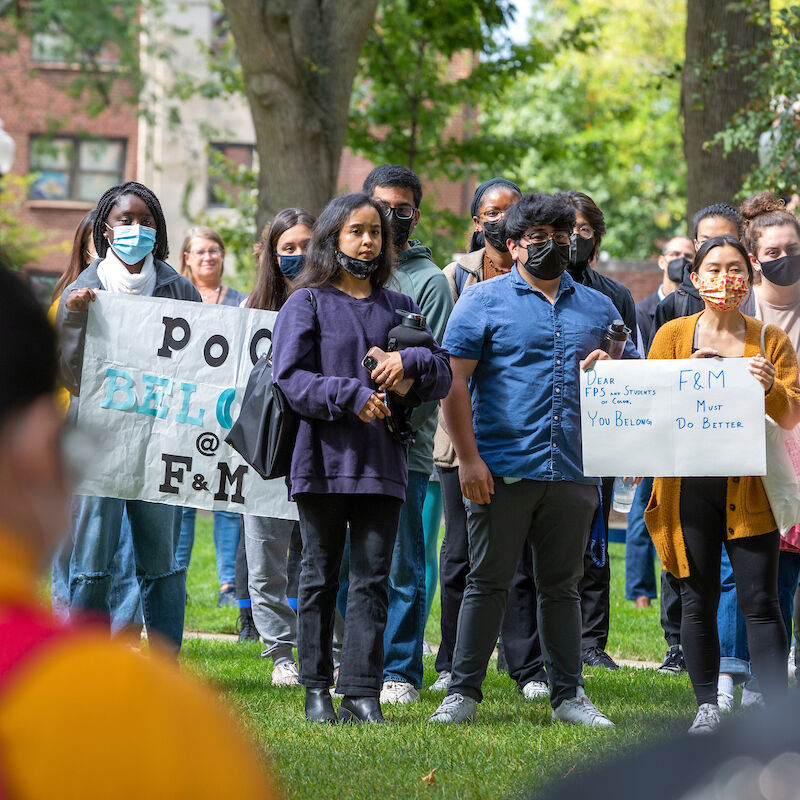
(130, 239)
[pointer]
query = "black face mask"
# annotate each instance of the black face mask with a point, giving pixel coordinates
(494, 232)
(580, 250)
(676, 268)
(401, 228)
(782, 271)
(355, 266)
(546, 261)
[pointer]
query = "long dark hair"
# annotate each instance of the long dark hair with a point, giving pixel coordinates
(320, 266)
(587, 207)
(721, 241)
(107, 202)
(77, 260)
(270, 291)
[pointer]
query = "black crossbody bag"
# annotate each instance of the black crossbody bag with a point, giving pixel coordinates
(265, 431)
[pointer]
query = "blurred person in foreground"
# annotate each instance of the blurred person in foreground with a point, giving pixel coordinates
(155, 722)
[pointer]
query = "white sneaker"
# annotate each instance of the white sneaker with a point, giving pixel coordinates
(752, 699)
(581, 711)
(441, 683)
(708, 719)
(724, 702)
(791, 666)
(455, 708)
(398, 693)
(285, 674)
(535, 690)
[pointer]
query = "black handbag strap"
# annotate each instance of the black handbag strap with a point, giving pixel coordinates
(311, 299)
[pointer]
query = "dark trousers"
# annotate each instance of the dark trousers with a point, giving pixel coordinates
(555, 517)
(520, 631)
(453, 563)
(293, 564)
(241, 576)
(671, 608)
(755, 568)
(594, 588)
(324, 519)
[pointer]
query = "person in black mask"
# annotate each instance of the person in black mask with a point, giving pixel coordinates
(590, 227)
(397, 190)
(676, 255)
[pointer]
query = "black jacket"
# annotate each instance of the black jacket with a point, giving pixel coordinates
(645, 313)
(613, 290)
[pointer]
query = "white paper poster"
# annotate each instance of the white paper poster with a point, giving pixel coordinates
(667, 418)
(162, 383)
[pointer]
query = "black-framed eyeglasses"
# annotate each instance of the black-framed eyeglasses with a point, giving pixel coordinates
(403, 211)
(540, 237)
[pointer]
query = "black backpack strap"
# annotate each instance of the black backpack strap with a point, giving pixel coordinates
(461, 278)
(684, 308)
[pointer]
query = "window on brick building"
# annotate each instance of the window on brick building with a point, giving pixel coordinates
(74, 168)
(53, 46)
(230, 173)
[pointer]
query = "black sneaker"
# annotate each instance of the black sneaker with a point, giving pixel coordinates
(597, 657)
(247, 629)
(673, 661)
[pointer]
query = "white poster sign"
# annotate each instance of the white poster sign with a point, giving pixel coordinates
(162, 383)
(666, 418)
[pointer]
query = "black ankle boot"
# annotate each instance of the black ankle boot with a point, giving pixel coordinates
(360, 709)
(319, 706)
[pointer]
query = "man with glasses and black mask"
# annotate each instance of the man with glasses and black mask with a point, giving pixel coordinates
(399, 192)
(516, 342)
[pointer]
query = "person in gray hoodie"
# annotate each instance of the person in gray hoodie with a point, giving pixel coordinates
(399, 193)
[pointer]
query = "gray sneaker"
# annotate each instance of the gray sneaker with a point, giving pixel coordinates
(708, 719)
(441, 683)
(580, 710)
(455, 708)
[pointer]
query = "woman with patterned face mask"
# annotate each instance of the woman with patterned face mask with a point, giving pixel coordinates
(690, 519)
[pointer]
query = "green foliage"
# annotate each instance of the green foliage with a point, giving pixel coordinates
(22, 244)
(770, 123)
(605, 120)
(424, 68)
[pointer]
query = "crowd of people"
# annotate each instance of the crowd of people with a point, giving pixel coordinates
(479, 420)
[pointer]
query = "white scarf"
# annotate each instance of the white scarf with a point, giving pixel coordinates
(115, 277)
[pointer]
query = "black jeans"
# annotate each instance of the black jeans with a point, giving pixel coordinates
(555, 517)
(453, 564)
(755, 568)
(324, 519)
(671, 614)
(241, 576)
(594, 588)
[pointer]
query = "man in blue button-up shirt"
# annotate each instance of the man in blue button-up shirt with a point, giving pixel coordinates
(513, 414)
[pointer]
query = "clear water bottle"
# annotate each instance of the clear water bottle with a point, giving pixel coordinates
(624, 491)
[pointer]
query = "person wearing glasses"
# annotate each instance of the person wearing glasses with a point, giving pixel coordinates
(398, 191)
(515, 347)
(203, 261)
(488, 257)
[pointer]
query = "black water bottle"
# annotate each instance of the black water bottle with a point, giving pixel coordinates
(411, 332)
(614, 338)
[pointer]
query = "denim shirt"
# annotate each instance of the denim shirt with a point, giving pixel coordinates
(525, 387)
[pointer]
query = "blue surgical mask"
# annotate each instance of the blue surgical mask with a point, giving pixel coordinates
(290, 266)
(132, 242)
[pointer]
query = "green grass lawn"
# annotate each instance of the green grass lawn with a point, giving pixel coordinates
(512, 746)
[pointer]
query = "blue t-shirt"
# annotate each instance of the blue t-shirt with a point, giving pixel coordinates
(525, 387)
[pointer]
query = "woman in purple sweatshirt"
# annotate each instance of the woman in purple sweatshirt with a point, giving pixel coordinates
(347, 468)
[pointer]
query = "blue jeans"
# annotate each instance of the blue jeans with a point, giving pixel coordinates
(788, 576)
(154, 529)
(640, 573)
(126, 602)
(733, 648)
(227, 529)
(432, 522)
(405, 623)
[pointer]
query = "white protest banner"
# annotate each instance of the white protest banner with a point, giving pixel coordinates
(667, 418)
(161, 385)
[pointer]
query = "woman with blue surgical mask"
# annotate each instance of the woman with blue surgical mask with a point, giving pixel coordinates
(130, 239)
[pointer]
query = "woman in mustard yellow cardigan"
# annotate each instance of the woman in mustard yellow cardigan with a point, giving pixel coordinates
(689, 519)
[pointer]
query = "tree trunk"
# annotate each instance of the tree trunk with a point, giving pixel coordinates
(710, 97)
(299, 59)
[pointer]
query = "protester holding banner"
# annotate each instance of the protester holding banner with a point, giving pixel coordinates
(130, 238)
(125, 604)
(348, 467)
(280, 250)
(690, 518)
(203, 262)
